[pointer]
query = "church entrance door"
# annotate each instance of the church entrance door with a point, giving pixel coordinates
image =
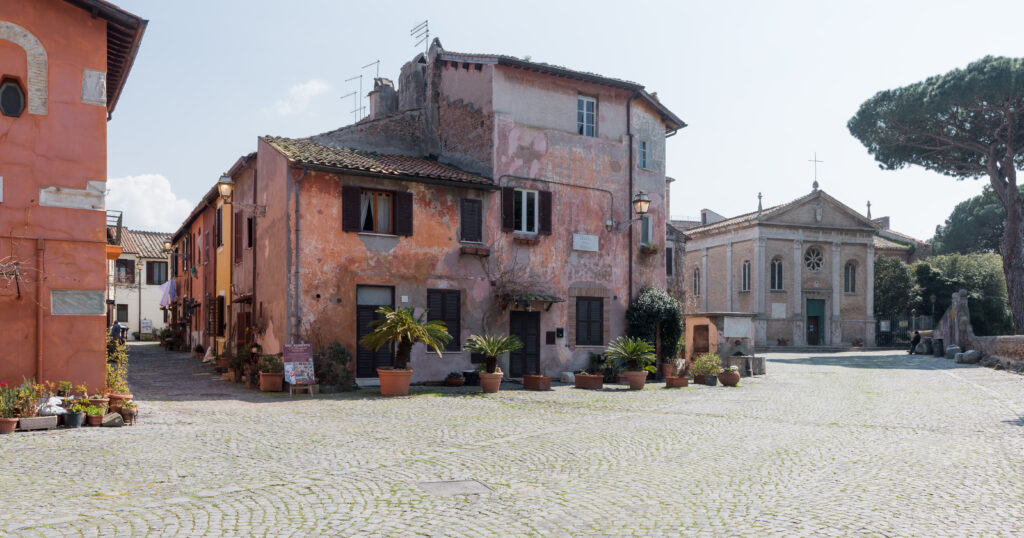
(815, 317)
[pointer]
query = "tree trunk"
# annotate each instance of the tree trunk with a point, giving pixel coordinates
(402, 354)
(1013, 260)
(491, 365)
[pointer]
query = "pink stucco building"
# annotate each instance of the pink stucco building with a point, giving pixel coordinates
(492, 191)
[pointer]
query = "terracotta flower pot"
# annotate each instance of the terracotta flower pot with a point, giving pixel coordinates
(537, 382)
(636, 380)
(589, 381)
(95, 420)
(7, 425)
(271, 382)
(454, 381)
(729, 379)
(99, 402)
(668, 369)
(394, 382)
(673, 381)
(129, 415)
(490, 382)
(117, 400)
(698, 379)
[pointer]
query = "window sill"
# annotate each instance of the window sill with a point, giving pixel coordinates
(375, 234)
(475, 251)
(777, 291)
(525, 239)
(744, 291)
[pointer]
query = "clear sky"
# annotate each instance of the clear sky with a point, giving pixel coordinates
(762, 85)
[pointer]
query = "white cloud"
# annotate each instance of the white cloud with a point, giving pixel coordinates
(299, 98)
(147, 202)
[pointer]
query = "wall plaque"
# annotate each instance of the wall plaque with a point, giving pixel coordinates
(585, 242)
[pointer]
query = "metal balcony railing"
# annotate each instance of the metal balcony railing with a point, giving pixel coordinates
(114, 225)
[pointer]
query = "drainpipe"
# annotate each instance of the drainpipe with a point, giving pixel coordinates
(40, 248)
(297, 310)
(629, 196)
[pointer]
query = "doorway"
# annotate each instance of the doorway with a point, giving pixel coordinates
(525, 360)
(701, 340)
(815, 320)
(368, 300)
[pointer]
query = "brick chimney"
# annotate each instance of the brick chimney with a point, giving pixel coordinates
(383, 98)
(412, 84)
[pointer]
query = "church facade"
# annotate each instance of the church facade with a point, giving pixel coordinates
(804, 269)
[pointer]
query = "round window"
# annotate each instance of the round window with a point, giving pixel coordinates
(12, 99)
(813, 259)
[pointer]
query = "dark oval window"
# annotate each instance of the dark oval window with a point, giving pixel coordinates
(12, 99)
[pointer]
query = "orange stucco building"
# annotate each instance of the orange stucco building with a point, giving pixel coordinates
(63, 64)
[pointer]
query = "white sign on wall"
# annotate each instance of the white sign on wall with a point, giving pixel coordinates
(778, 310)
(584, 242)
(147, 326)
(737, 327)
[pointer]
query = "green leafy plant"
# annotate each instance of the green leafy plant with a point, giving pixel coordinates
(271, 364)
(733, 369)
(490, 346)
(94, 411)
(707, 364)
(235, 361)
(656, 313)
(635, 353)
(8, 401)
(333, 366)
(130, 404)
(782, 340)
(78, 407)
(117, 366)
(28, 398)
(454, 375)
(404, 328)
(82, 390)
(64, 388)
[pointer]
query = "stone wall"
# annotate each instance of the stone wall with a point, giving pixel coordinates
(999, 352)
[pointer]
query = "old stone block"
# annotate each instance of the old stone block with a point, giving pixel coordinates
(113, 420)
(958, 357)
(972, 356)
(951, 351)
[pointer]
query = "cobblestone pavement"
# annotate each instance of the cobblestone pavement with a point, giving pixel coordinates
(848, 444)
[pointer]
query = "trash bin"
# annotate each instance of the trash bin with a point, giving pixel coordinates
(938, 347)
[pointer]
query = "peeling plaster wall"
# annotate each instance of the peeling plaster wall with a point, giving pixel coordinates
(274, 248)
(61, 144)
(402, 133)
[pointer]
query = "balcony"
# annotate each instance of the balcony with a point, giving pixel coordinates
(114, 228)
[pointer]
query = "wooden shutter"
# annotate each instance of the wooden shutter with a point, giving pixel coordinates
(236, 236)
(471, 220)
(508, 209)
(149, 273)
(403, 213)
(444, 305)
(589, 321)
(545, 213)
(668, 261)
(582, 328)
(350, 208)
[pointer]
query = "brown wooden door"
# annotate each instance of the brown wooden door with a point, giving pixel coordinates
(525, 360)
(701, 340)
(813, 329)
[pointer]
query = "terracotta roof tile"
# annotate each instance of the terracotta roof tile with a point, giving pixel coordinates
(306, 151)
(885, 244)
(144, 244)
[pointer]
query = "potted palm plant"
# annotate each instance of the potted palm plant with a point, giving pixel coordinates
(638, 356)
(490, 347)
(404, 328)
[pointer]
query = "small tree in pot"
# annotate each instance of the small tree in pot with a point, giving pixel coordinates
(638, 356)
(490, 347)
(403, 327)
(271, 373)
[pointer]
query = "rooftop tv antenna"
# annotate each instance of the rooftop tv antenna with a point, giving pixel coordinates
(351, 94)
(377, 63)
(359, 96)
(421, 33)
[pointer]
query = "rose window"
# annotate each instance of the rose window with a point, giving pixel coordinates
(813, 259)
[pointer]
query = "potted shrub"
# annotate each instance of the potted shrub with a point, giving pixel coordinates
(117, 374)
(730, 377)
(490, 346)
(637, 355)
(99, 400)
(649, 248)
(858, 342)
(781, 341)
(64, 389)
(704, 366)
(94, 415)
(75, 415)
(235, 365)
(271, 373)
(405, 329)
(8, 407)
(129, 410)
(333, 367)
(454, 379)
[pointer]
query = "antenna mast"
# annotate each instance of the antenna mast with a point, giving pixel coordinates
(421, 33)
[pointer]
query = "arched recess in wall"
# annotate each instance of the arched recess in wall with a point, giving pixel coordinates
(38, 68)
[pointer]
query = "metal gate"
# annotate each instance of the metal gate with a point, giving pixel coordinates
(897, 331)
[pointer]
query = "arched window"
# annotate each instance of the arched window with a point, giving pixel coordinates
(696, 282)
(776, 280)
(745, 280)
(850, 277)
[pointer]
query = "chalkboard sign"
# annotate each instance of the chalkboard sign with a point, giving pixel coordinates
(298, 364)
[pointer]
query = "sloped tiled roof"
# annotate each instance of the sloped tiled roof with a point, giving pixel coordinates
(756, 216)
(900, 236)
(144, 244)
(305, 151)
(882, 243)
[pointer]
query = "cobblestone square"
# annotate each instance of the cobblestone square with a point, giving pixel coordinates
(872, 443)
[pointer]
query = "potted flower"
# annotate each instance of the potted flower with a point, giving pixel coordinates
(271, 373)
(638, 356)
(730, 377)
(64, 389)
(8, 407)
(404, 328)
(129, 410)
(75, 415)
(649, 248)
(858, 342)
(94, 415)
(706, 365)
(782, 341)
(117, 374)
(454, 379)
(490, 347)
(235, 365)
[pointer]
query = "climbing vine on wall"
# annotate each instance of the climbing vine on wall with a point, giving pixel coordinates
(653, 309)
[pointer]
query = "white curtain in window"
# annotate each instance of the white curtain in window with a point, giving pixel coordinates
(366, 211)
(384, 213)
